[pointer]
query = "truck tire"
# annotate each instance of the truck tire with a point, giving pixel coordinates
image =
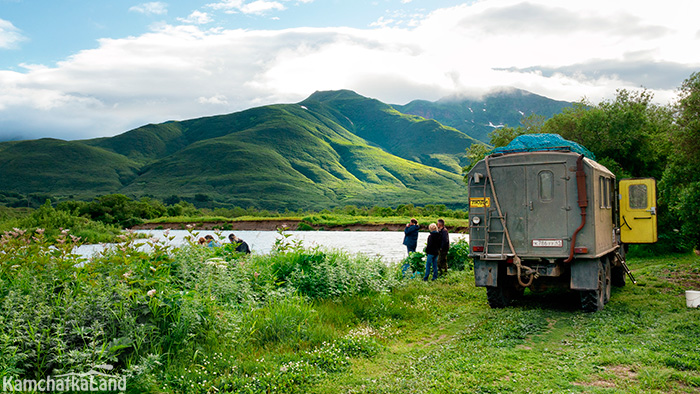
(594, 300)
(506, 291)
(497, 297)
(618, 276)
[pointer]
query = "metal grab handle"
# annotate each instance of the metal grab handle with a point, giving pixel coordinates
(624, 222)
(652, 210)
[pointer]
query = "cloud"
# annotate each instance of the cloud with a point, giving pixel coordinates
(382, 22)
(533, 18)
(218, 99)
(257, 7)
(197, 18)
(152, 8)
(178, 72)
(10, 36)
(650, 74)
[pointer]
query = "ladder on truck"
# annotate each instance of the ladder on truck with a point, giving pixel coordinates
(492, 250)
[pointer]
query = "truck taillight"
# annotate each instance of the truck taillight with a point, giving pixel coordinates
(581, 249)
(477, 248)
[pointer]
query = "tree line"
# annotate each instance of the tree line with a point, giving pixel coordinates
(634, 137)
(121, 211)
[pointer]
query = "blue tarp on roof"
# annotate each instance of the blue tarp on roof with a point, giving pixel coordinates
(543, 142)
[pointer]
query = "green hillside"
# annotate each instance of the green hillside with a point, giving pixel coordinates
(290, 159)
(62, 167)
(410, 137)
(332, 149)
(478, 117)
(146, 143)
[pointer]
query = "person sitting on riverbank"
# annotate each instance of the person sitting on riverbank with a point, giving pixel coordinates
(201, 241)
(211, 241)
(241, 245)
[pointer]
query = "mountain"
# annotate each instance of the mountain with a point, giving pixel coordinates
(477, 118)
(413, 138)
(334, 148)
(62, 167)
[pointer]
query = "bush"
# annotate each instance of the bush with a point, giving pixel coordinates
(152, 315)
(415, 261)
(304, 227)
(458, 256)
(54, 221)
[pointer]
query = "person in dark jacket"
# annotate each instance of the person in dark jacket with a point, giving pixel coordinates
(410, 238)
(444, 247)
(242, 245)
(431, 251)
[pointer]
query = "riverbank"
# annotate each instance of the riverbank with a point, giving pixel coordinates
(274, 224)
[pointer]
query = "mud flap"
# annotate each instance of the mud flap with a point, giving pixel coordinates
(584, 274)
(486, 273)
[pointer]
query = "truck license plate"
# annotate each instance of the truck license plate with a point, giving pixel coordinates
(480, 202)
(547, 243)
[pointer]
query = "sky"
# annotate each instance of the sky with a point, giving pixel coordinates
(78, 69)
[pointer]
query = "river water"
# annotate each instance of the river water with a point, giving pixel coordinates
(384, 244)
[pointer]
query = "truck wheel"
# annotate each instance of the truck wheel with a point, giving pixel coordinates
(507, 290)
(498, 297)
(594, 300)
(618, 276)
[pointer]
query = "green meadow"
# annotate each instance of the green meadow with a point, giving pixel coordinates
(201, 320)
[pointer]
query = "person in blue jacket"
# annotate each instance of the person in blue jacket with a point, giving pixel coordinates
(211, 242)
(410, 238)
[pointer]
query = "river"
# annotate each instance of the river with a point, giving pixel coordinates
(384, 244)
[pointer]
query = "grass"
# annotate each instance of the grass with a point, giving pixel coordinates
(197, 319)
(645, 340)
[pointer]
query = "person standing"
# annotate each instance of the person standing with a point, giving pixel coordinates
(410, 238)
(431, 252)
(444, 246)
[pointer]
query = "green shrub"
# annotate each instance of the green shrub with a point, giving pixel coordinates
(54, 222)
(153, 314)
(304, 227)
(458, 256)
(415, 261)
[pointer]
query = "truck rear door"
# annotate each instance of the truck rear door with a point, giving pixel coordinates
(638, 210)
(547, 223)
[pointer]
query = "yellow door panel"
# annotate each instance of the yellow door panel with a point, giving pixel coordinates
(638, 210)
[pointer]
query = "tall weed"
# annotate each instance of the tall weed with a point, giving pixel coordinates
(145, 309)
